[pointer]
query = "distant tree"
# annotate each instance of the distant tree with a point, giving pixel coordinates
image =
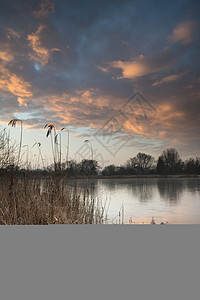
(192, 166)
(89, 167)
(172, 161)
(73, 168)
(142, 163)
(198, 165)
(129, 167)
(109, 170)
(160, 168)
(121, 170)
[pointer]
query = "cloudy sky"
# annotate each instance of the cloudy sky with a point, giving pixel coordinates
(123, 74)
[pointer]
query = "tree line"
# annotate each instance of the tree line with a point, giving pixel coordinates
(168, 163)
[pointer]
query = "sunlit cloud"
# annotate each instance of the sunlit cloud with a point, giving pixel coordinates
(184, 32)
(141, 65)
(5, 56)
(169, 78)
(14, 84)
(84, 108)
(18, 86)
(161, 125)
(40, 53)
(165, 124)
(101, 62)
(132, 69)
(21, 101)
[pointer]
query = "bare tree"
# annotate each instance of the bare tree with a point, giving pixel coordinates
(142, 163)
(171, 161)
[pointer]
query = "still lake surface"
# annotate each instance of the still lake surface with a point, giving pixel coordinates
(172, 200)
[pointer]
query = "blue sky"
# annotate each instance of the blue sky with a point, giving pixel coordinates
(76, 63)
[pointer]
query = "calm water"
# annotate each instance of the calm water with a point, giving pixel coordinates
(172, 200)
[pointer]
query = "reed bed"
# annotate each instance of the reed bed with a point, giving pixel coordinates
(30, 200)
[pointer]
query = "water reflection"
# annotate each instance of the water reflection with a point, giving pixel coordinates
(193, 185)
(141, 189)
(176, 200)
(171, 190)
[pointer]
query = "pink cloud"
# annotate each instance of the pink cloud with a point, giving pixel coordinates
(169, 78)
(184, 32)
(141, 65)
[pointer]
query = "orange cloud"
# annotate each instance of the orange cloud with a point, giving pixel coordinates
(141, 65)
(5, 56)
(139, 128)
(18, 86)
(131, 69)
(40, 53)
(169, 78)
(167, 111)
(21, 101)
(85, 108)
(184, 32)
(164, 124)
(14, 84)
(168, 117)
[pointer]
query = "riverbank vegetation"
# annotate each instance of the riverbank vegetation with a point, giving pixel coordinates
(168, 163)
(29, 198)
(44, 196)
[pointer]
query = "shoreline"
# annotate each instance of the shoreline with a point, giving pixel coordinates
(134, 176)
(62, 174)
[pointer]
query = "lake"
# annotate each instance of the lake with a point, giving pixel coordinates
(172, 200)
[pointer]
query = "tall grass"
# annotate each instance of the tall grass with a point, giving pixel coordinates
(38, 144)
(7, 150)
(27, 199)
(67, 156)
(51, 127)
(13, 123)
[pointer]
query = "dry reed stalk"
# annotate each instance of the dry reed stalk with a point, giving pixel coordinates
(25, 199)
(13, 123)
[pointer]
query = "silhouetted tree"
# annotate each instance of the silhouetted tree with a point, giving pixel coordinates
(121, 171)
(192, 166)
(109, 170)
(160, 168)
(172, 161)
(89, 167)
(142, 163)
(73, 168)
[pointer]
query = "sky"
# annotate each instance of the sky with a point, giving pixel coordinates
(122, 74)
